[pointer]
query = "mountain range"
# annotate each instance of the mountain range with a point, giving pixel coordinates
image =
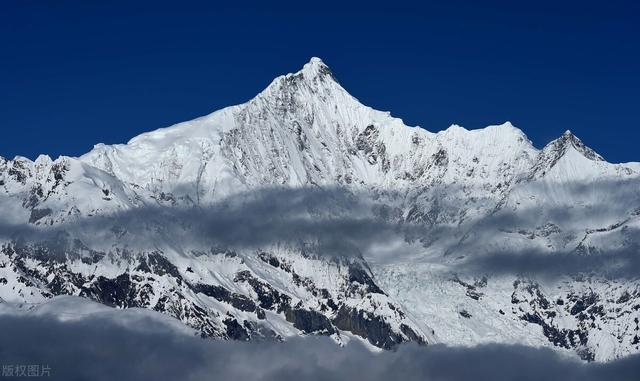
(305, 212)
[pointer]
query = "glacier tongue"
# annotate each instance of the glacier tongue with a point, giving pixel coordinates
(120, 226)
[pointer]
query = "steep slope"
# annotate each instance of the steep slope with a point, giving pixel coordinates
(306, 129)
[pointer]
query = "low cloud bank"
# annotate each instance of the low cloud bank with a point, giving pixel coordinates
(336, 221)
(99, 349)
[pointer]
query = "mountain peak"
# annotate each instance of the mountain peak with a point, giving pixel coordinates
(553, 152)
(315, 62)
(313, 74)
(508, 126)
(569, 140)
(315, 68)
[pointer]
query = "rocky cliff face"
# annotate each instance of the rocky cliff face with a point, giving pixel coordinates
(388, 260)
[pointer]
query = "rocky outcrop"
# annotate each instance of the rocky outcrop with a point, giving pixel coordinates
(153, 281)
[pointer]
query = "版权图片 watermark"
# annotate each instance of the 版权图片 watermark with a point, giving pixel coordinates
(26, 370)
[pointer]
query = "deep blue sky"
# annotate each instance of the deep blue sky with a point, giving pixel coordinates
(75, 73)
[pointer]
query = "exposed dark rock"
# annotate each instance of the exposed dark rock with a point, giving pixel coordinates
(220, 293)
(411, 334)
(117, 292)
(58, 170)
(235, 331)
(472, 291)
(625, 297)
(156, 263)
(192, 314)
(269, 298)
(564, 338)
(366, 141)
(38, 214)
(243, 303)
(270, 259)
(309, 321)
(583, 303)
(371, 327)
(358, 274)
(19, 172)
(440, 158)
(216, 292)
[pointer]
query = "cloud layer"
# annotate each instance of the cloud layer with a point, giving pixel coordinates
(337, 223)
(99, 349)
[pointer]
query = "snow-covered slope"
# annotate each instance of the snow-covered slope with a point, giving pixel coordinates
(150, 224)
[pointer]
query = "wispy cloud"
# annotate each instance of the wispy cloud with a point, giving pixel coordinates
(612, 264)
(338, 222)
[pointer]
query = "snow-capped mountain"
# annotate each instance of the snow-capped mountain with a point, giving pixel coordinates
(303, 211)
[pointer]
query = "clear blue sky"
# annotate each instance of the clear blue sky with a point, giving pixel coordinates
(75, 73)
